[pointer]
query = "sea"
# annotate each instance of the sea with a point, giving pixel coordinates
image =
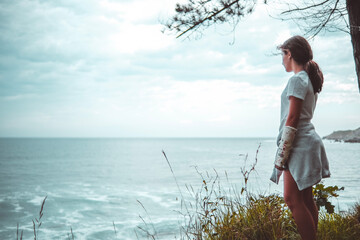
(125, 188)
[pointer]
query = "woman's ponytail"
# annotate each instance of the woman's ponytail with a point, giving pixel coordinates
(301, 52)
(315, 75)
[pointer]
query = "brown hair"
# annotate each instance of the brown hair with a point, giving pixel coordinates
(302, 54)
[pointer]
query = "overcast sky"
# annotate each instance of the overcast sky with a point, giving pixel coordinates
(103, 68)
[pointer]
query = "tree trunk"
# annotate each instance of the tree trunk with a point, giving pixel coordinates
(353, 8)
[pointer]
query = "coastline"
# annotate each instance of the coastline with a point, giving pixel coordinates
(348, 136)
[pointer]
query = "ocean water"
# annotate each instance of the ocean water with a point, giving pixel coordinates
(108, 188)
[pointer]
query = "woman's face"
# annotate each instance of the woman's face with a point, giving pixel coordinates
(286, 59)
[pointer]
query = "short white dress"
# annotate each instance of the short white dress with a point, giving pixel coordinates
(307, 162)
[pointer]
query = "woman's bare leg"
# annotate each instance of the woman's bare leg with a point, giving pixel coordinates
(311, 205)
(295, 201)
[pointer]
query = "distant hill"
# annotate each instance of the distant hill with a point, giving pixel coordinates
(345, 136)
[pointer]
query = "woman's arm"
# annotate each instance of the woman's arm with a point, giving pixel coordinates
(294, 112)
(288, 133)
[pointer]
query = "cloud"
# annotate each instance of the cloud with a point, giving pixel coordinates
(134, 38)
(18, 97)
(137, 11)
(103, 68)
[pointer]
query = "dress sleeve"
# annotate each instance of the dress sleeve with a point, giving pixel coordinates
(297, 87)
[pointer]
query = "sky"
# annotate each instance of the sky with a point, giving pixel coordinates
(103, 68)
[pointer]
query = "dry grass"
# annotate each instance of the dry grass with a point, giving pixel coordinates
(220, 213)
(338, 226)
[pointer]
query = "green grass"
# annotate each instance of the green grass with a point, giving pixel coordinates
(228, 214)
(231, 213)
(340, 226)
(264, 217)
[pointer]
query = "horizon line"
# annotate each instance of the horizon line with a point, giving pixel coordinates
(129, 137)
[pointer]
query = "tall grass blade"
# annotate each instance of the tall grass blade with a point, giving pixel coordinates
(177, 184)
(34, 230)
(152, 224)
(72, 234)
(114, 228)
(42, 208)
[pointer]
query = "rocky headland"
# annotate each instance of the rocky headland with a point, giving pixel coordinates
(352, 136)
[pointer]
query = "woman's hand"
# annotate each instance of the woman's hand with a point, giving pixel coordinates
(288, 132)
(284, 148)
(280, 168)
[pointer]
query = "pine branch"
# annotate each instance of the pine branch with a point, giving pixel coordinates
(208, 18)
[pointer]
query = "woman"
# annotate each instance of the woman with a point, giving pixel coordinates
(301, 154)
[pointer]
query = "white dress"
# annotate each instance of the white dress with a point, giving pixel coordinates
(307, 162)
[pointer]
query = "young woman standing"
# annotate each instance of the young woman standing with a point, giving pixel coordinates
(301, 155)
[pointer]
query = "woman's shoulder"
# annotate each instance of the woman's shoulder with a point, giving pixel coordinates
(302, 75)
(299, 79)
(298, 85)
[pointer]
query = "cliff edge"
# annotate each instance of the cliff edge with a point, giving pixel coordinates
(352, 136)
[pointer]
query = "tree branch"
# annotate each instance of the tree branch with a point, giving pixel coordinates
(208, 18)
(327, 20)
(305, 8)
